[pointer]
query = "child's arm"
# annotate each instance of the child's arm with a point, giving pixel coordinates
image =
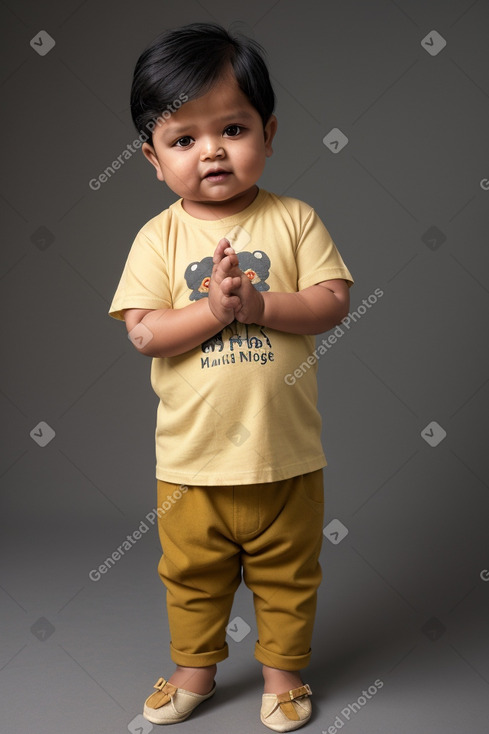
(172, 331)
(175, 331)
(313, 310)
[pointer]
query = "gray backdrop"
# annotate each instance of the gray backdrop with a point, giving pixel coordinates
(401, 640)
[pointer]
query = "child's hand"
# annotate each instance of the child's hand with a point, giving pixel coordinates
(235, 286)
(223, 304)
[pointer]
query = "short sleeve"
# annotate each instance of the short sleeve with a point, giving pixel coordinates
(144, 282)
(317, 256)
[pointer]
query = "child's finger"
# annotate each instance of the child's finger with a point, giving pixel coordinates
(228, 266)
(231, 302)
(230, 285)
(219, 251)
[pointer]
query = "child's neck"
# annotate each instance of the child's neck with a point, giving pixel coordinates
(220, 209)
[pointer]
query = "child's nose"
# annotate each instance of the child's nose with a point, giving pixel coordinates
(211, 148)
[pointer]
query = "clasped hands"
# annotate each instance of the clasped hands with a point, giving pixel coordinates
(231, 293)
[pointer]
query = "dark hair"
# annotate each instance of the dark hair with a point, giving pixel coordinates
(184, 63)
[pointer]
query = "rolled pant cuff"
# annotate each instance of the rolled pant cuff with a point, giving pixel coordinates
(283, 662)
(199, 659)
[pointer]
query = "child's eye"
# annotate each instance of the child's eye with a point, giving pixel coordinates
(233, 130)
(183, 142)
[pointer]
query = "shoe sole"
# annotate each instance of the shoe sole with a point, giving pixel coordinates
(183, 717)
(298, 725)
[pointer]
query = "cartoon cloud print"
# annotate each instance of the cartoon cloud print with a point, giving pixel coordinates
(255, 265)
(197, 277)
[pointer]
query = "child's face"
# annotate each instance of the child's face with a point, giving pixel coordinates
(220, 131)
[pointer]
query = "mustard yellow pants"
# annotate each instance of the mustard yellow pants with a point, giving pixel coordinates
(273, 532)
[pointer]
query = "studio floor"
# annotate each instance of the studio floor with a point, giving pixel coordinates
(80, 655)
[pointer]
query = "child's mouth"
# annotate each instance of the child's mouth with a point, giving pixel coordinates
(217, 176)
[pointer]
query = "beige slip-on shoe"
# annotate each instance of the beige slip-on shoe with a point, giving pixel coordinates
(170, 705)
(286, 711)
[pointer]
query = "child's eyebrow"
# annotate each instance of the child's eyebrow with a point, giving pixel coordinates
(234, 115)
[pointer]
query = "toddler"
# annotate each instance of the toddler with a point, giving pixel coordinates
(225, 290)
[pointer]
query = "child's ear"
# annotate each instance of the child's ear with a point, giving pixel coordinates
(270, 130)
(149, 153)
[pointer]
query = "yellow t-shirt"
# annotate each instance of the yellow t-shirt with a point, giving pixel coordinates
(226, 415)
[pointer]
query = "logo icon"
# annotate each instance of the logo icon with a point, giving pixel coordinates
(238, 238)
(335, 531)
(42, 434)
(433, 43)
(140, 335)
(238, 434)
(433, 433)
(42, 629)
(433, 629)
(238, 629)
(42, 238)
(42, 43)
(140, 725)
(433, 238)
(335, 140)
